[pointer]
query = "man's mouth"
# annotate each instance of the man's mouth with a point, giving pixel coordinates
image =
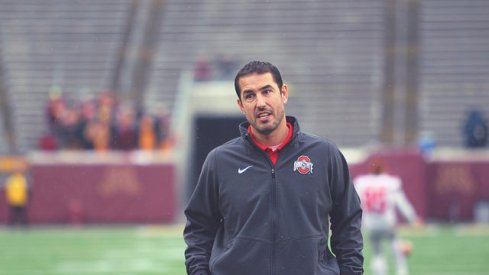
(263, 115)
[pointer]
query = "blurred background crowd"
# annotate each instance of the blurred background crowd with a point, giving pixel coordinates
(102, 123)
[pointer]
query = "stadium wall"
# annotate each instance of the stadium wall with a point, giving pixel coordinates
(443, 187)
(100, 193)
(456, 185)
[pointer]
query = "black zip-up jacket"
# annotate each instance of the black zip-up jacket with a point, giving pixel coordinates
(248, 216)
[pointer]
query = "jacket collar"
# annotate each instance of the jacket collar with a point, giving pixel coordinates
(243, 127)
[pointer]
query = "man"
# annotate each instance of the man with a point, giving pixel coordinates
(17, 195)
(475, 130)
(382, 196)
(263, 200)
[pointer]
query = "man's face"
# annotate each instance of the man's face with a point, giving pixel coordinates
(262, 102)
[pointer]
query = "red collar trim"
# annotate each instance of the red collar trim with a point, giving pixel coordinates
(264, 147)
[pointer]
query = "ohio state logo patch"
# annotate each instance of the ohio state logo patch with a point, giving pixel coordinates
(303, 165)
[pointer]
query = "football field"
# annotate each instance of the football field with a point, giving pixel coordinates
(455, 250)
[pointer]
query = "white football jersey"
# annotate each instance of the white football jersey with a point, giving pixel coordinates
(381, 196)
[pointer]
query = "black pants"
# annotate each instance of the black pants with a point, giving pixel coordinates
(18, 216)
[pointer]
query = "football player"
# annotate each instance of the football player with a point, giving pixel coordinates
(382, 196)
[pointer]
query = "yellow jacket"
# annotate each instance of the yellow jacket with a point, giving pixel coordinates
(17, 190)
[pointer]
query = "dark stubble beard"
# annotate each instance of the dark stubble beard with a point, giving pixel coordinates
(268, 130)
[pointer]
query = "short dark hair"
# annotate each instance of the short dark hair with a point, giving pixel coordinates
(258, 67)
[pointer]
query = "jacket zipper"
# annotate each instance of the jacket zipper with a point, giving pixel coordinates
(274, 219)
(274, 203)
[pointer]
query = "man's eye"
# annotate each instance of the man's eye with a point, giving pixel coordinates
(248, 96)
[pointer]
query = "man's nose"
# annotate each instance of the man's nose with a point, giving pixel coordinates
(260, 101)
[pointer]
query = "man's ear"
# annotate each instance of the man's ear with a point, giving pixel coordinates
(284, 93)
(240, 105)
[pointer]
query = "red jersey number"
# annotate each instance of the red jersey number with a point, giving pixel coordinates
(375, 200)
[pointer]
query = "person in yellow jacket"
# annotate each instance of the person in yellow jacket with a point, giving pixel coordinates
(17, 195)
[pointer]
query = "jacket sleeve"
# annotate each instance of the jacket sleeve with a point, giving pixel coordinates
(203, 218)
(346, 217)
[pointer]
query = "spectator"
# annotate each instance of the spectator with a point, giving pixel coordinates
(71, 131)
(162, 128)
(475, 129)
(146, 133)
(124, 133)
(106, 106)
(99, 133)
(55, 107)
(88, 112)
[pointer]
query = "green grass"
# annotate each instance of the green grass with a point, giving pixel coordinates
(437, 250)
(159, 250)
(92, 250)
